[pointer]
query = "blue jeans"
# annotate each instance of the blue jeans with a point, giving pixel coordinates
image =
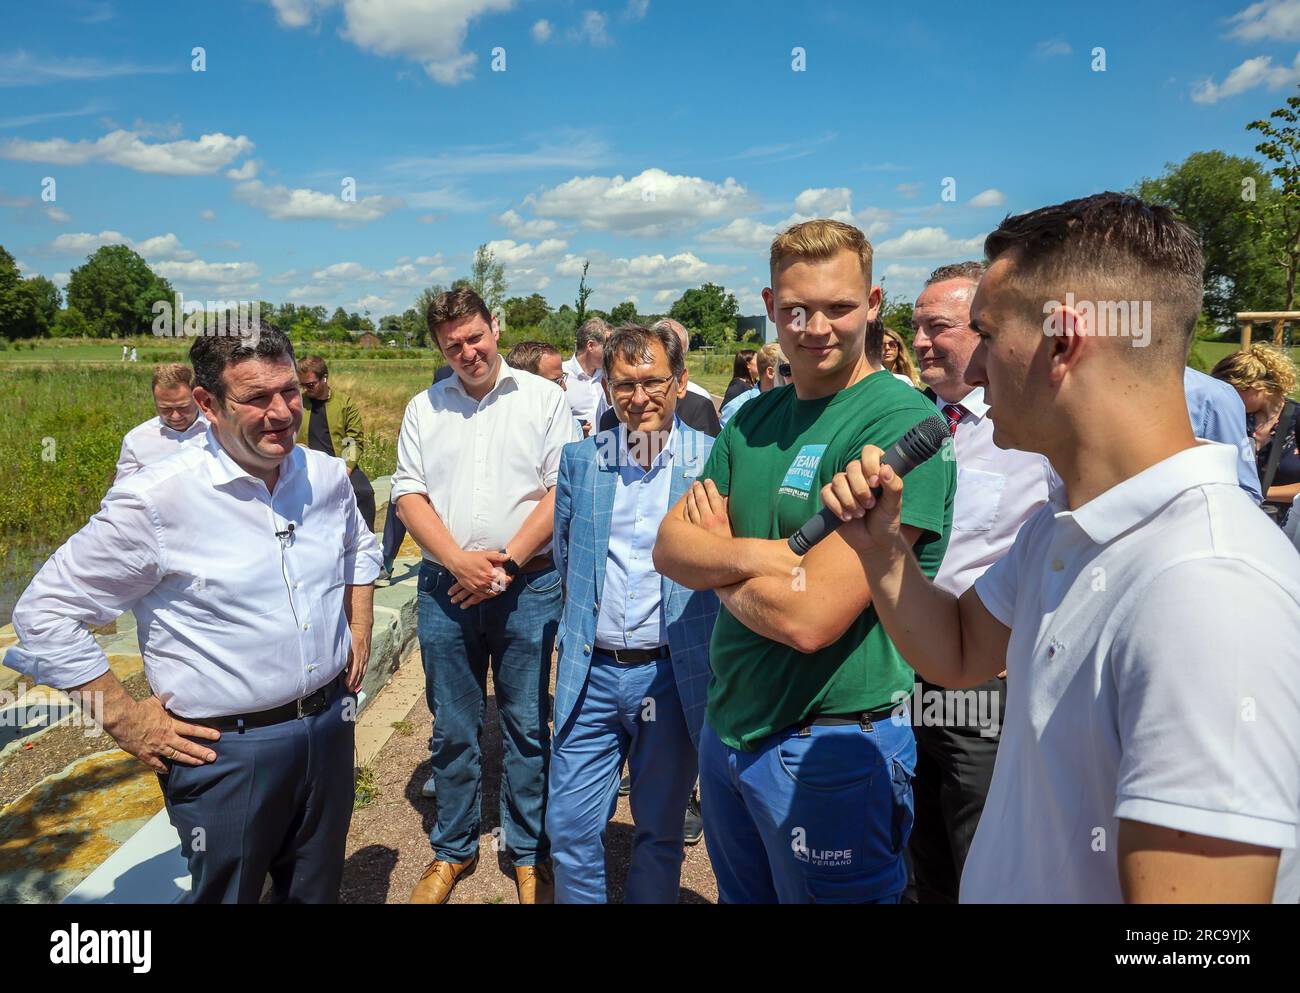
(625, 712)
(820, 815)
(513, 632)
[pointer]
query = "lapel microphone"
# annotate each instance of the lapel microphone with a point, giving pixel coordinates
(919, 443)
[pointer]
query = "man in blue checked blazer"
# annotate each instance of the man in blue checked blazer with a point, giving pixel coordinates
(633, 674)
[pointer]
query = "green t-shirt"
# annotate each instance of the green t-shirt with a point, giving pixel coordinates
(772, 459)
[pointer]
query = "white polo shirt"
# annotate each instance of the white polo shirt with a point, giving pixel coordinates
(153, 441)
(1154, 675)
(998, 489)
(584, 392)
(484, 465)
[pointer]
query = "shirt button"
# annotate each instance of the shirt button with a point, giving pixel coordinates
(586, 649)
(1057, 565)
(306, 626)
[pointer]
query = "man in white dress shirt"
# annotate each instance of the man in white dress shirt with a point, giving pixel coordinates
(585, 384)
(249, 571)
(997, 491)
(179, 422)
(1148, 616)
(478, 457)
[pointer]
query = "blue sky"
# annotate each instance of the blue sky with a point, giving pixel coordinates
(664, 140)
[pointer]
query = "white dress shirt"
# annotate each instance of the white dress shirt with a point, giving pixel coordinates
(152, 441)
(1154, 674)
(998, 489)
(484, 465)
(631, 614)
(231, 619)
(584, 392)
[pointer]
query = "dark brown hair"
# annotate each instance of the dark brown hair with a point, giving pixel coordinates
(631, 343)
(452, 306)
(528, 355)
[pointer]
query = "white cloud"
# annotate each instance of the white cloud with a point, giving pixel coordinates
(636, 9)
(742, 234)
(571, 151)
(430, 32)
(58, 215)
(836, 203)
(1269, 20)
(929, 243)
(909, 190)
(349, 271)
(823, 202)
(541, 31)
(377, 304)
(1259, 71)
(208, 215)
(988, 198)
(518, 253)
(283, 204)
(163, 246)
(21, 68)
(244, 172)
(1053, 47)
(651, 204)
(198, 157)
(619, 278)
(406, 274)
(592, 28)
(198, 271)
(521, 228)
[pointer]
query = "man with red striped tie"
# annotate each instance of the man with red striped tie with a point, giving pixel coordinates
(998, 489)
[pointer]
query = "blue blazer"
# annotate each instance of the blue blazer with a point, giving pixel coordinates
(584, 501)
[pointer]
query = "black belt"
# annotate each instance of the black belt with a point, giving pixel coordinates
(630, 656)
(308, 706)
(864, 718)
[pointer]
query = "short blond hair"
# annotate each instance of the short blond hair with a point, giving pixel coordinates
(769, 357)
(1259, 367)
(819, 240)
(171, 374)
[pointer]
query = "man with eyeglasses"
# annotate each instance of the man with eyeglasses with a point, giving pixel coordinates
(179, 422)
(331, 424)
(634, 659)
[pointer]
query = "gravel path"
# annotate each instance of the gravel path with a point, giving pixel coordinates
(388, 846)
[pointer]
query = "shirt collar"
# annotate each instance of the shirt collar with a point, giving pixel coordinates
(972, 401)
(574, 368)
(224, 469)
(1130, 503)
(666, 455)
(506, 374)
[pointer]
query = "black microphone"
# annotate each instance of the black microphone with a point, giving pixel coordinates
(919, 443)
(286, 533)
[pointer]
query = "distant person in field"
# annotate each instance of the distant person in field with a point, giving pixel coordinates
(332, 424)
(766, 362)
(133, 354)
(179, 421)
(541, 359)
(125, 353)
(744, 374)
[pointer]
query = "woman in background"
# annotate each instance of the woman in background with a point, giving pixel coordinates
(897, 358)
(745, 372)
(1263, 376)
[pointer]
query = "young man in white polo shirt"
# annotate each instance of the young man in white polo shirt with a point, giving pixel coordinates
(1147, 616)
(998, 489)
(477, 461)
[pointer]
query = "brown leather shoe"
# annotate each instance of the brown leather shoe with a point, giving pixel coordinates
(440, 878)
(535, 884)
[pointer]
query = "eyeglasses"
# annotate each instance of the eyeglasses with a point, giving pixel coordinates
(655, 389)
(890, 343)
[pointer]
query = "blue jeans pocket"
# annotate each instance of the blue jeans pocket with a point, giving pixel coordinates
(546, 581)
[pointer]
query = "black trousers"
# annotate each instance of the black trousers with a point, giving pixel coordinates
(954, 766)
(277, 801)
(365, 495)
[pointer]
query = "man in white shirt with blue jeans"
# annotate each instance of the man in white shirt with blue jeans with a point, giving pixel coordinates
(1147, 616)
(249, 571)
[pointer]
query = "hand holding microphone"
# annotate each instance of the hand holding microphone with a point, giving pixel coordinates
(851, 493)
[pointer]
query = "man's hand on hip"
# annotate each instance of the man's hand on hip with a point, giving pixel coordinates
(152, 735)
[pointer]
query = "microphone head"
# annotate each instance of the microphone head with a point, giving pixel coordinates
(922, 441)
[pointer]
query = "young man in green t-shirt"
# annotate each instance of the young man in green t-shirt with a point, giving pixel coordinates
(805, 765)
